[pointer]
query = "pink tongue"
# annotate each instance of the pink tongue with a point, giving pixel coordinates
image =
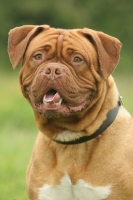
(52, 97)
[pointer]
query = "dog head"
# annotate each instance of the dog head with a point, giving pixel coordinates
(62, 69)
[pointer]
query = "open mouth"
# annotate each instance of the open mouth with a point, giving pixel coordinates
(53, 102)
(52, 97)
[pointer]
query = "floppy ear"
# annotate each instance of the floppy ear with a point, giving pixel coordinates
(108, 50)
(19, 39)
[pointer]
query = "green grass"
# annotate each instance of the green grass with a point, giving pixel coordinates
(15, 148)
(18, 133)
(125, 87)
(17, 137)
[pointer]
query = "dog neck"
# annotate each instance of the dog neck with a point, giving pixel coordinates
(110, 117)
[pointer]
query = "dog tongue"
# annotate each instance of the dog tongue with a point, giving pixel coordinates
(52, 97)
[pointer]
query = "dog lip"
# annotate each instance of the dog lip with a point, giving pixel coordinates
(52, 102)
(63, 108)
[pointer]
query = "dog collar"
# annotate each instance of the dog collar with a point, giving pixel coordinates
(111, 115)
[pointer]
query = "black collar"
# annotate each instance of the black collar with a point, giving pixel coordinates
(111, 115)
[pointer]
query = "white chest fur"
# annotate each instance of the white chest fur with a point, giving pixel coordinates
(67, 191)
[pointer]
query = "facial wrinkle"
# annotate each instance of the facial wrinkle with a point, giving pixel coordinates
(59, 45)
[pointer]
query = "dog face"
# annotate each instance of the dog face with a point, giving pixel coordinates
(63, 74)
(62, 68)
(60, 81)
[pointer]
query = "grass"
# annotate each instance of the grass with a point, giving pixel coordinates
(124, 85)
(15, 148)
(18, 133)
(17, 137)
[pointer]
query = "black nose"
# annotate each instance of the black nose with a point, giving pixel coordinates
(53, 71)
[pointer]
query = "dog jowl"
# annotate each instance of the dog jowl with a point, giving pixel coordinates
(84, 146)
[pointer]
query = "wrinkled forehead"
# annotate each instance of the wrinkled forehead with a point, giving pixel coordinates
(60, 39)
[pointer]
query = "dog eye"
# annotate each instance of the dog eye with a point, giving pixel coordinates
(77, 59)
(38, 56)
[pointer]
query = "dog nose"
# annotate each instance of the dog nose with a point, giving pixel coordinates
(53, 71)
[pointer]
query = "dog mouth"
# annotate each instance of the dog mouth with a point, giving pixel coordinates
(52, 102)
(52, 97)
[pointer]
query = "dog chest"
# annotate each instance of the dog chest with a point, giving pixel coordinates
(67, 191)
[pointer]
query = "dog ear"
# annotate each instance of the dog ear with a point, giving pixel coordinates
(19, 39)
(108, 50)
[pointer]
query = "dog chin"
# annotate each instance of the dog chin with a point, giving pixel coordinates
(51, 114)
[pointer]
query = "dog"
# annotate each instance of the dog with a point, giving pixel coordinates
(84, 148)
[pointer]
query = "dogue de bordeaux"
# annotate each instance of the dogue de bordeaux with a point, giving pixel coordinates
(84, 149)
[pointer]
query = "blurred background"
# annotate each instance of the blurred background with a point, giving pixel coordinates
(17, 125)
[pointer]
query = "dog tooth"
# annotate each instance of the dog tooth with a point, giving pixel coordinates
(59, 103)
(44, 102)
